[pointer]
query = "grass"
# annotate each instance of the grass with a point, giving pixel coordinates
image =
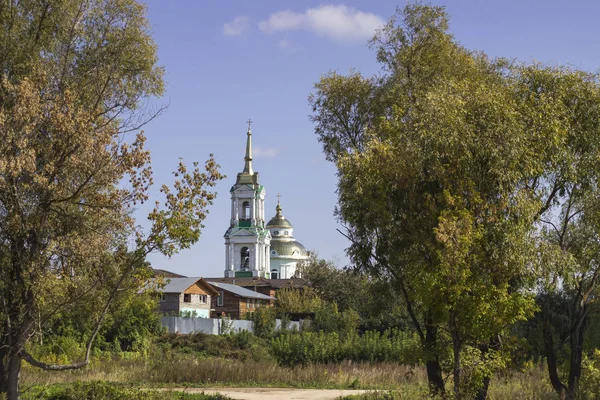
(186, 370)
(100, 390)
(243, 361)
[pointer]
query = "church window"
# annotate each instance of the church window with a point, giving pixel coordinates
(245, 257)
(274, 274)
(246, 210)
(275, 233)
(287, 232)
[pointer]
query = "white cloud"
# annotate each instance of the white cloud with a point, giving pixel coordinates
(237, 27)
(264, 152)
(337, 22)
(284, 44)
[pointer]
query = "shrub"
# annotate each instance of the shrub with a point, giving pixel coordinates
(264, 321)
(589, 387)
(106, 391)
(291, 349)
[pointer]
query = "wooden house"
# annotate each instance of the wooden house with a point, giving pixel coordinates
(235, 301)
(268, 287)
(187, 297)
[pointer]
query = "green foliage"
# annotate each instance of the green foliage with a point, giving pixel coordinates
(295, 300)
(130, 325)
(241, 346)
(468, 183)
(264, 321)
(106, 391)
(303, 348)
(372, 298)
(590, 380)
(328, 319)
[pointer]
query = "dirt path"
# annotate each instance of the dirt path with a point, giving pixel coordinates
(274, 393)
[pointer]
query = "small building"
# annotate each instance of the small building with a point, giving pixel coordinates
(236, 301)
(268, 287)
(187, 296)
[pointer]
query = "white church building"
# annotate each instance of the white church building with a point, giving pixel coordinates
(253, 249)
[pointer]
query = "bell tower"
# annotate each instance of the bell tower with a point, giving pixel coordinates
(247, 241)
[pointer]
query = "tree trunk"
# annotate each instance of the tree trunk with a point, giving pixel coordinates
(577, 337)
(482, 391)
(434, 369)
(14, 371)
(3, 368)
(456, 346)
(558, 386)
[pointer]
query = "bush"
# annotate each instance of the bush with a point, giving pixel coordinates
(106, 391)
(291, 349)
(264, 321)
(589, 387)
(240, 346)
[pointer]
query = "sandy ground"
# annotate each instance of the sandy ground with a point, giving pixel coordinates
(274, 393)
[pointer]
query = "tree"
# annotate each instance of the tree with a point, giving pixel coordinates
(74, 76)
(447, 164)
(569, 237)
(372, 298)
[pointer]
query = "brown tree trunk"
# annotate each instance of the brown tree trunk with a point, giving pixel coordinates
(4, 350)
(558, 386)
(577, 337)
(14, 370)
(456, 346)
(434, 369)
(482, 391)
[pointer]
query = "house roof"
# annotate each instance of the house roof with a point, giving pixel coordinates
(251, 282)
(179, 285)
(240, 291)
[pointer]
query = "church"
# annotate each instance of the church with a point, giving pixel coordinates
(253, 248)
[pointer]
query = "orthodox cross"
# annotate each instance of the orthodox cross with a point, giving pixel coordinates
(278, 197)
(249, 122)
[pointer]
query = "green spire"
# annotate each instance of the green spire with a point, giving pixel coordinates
(248, 176)
(248, 158)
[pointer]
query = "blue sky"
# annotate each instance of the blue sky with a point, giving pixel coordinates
(227, 61)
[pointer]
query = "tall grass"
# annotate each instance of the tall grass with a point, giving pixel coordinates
(189, 370)
(182, 370)
(326, 347)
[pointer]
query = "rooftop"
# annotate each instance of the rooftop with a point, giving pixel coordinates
(240, 291)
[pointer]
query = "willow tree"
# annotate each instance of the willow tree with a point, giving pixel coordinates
(444, 171)
(568, 265)
(74, 76)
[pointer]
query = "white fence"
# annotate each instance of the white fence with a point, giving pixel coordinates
(213, 326)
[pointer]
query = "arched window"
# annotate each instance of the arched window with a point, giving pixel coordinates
(274, 274)
(245, 257)
(246, 210)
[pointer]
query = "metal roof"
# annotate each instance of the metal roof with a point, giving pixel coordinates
(178, 285)
(279, 221)
(287, 248)
(240, 291)
(251, 282)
